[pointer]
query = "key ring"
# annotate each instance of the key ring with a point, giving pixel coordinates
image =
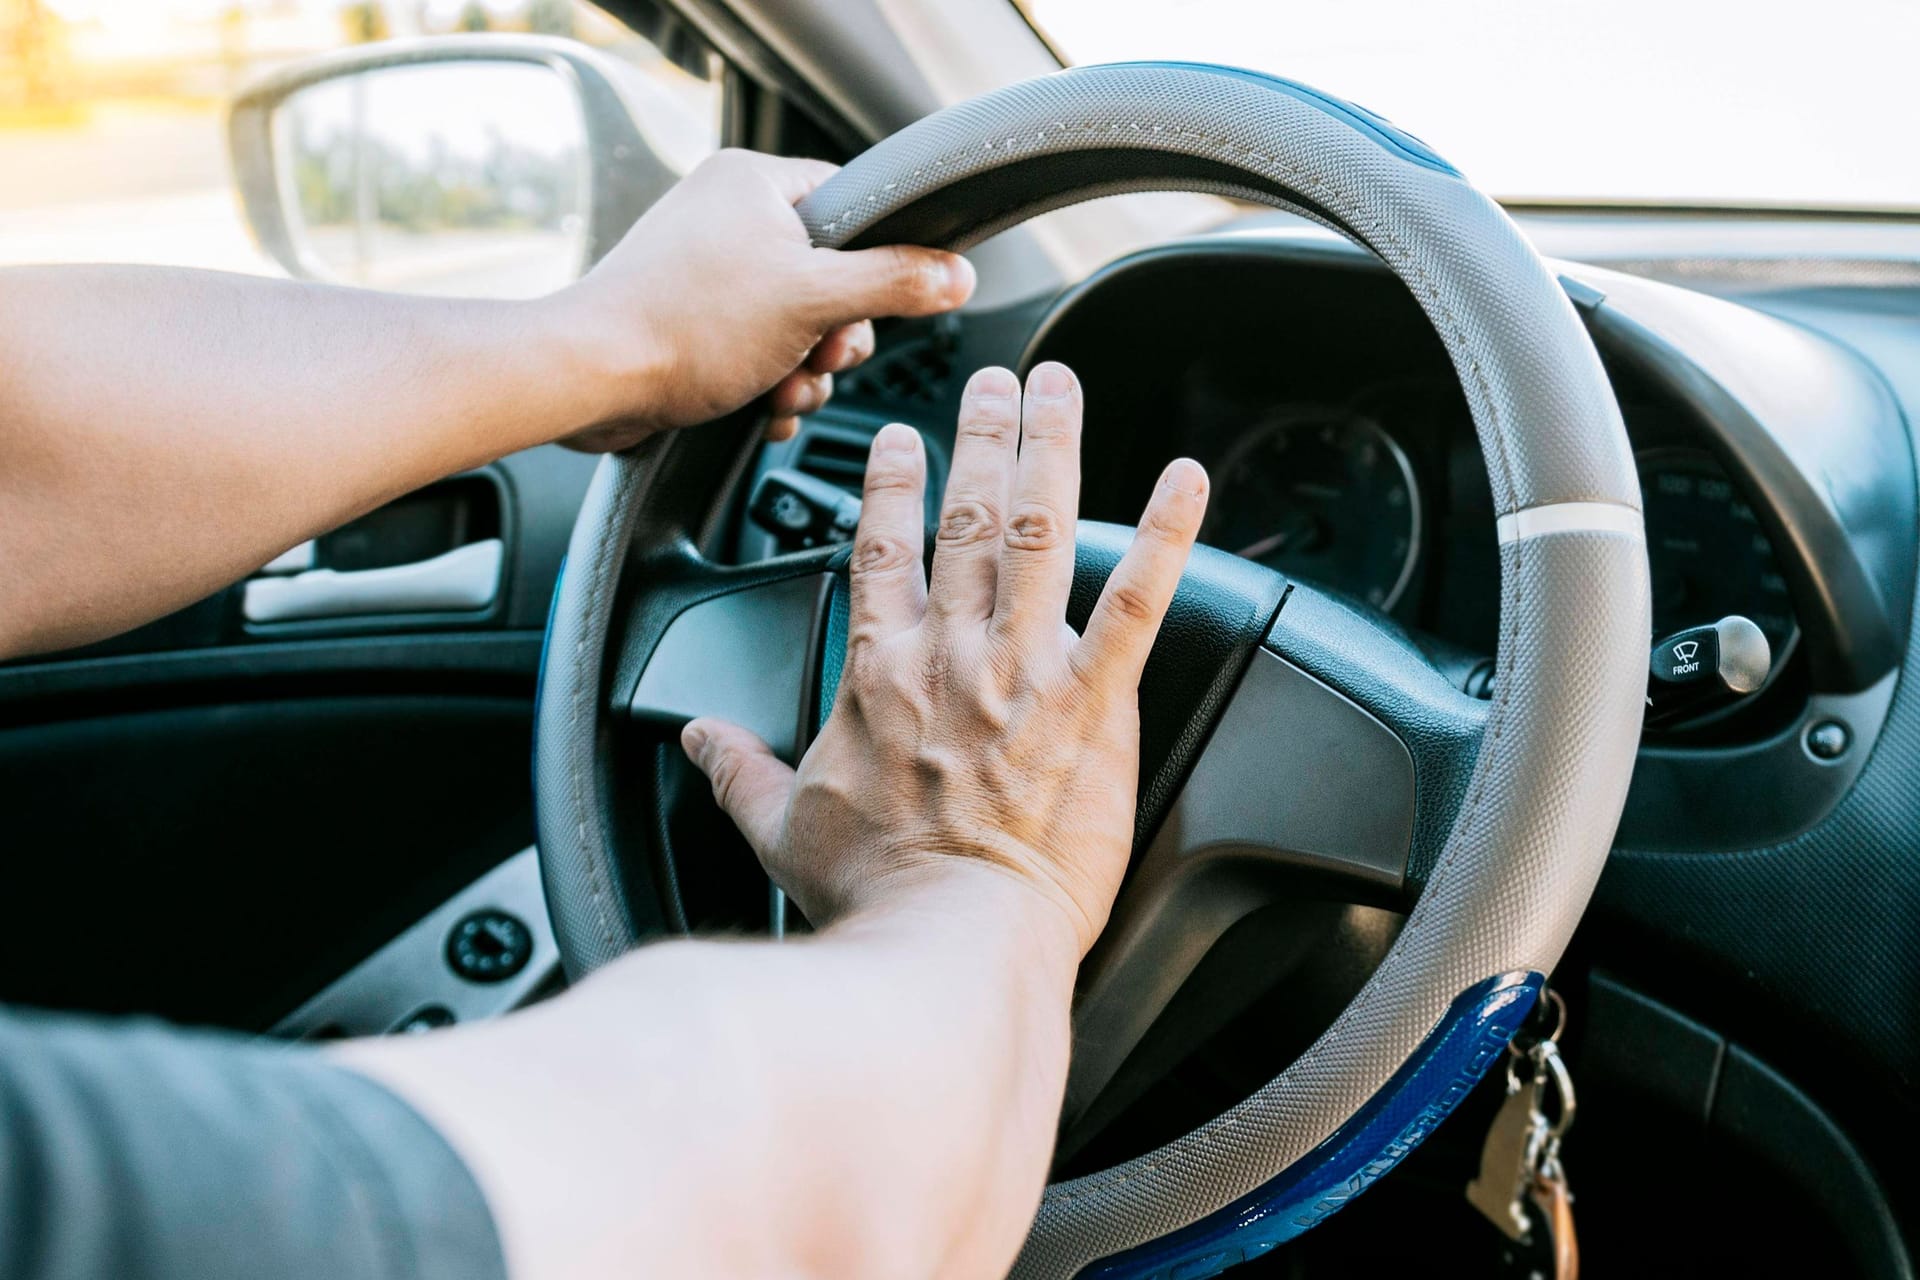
(1552, 997)
(1515, 1053)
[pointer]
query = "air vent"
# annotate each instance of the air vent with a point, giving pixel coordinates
(910, 370)
(836, 455)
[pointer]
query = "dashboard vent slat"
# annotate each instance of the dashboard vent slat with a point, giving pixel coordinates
(838, 457)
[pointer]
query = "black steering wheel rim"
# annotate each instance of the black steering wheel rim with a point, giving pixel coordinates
(1549, 767)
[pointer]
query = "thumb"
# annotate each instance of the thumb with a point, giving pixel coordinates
(750, 783)
(891, 280)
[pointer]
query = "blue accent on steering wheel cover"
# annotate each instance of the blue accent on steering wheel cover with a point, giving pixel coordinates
(540, 676)
(1378, 127)
(833, 659)
(1423, 1092)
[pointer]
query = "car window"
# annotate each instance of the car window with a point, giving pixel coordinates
(1710, 103)
(113, 112)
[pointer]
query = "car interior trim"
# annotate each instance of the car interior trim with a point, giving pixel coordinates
(411, 975)
(466, 579)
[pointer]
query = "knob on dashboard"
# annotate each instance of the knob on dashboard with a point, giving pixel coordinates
(1692, 670)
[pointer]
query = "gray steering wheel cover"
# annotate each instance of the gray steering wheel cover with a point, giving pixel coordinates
(1551, 778)
(1554, 763)
(586, 897)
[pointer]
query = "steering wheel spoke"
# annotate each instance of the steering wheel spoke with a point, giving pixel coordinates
(741, 643)
(1304, 791)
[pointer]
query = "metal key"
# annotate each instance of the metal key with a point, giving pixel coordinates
(1548, 1064)
(1523, 1145)
(1549, 1199)
(1510, 1156)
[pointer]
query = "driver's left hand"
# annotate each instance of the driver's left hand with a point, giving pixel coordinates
(717, 297)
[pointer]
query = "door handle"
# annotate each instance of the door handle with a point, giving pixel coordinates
(463, 580)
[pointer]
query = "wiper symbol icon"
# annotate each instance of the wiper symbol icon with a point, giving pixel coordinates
(1686, 650)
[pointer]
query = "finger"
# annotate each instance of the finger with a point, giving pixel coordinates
(1127, 616)
(800, 393)
(1036, 563)
(793, 176)
(967, 549)
(781, 429)
(842, 348)
(892, 280)
(750, 784)
(889, 590)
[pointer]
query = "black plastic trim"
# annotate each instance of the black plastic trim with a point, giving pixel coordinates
(496, 661)
(1821, 447)
(742, 48)
(1658, 1059)
(1751, 794)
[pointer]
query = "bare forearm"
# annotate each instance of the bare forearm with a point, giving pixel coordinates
(163, 431)
(934, 1099)
(877, 1100)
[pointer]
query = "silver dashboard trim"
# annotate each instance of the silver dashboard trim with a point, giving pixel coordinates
(411, 972)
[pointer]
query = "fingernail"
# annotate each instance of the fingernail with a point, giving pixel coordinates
(958, 277)
(693, 739)
(1049, 381)
(993, 383)
(1184, 475)
(896, 437)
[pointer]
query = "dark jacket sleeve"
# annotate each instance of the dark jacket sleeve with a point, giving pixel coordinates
(140, 1152)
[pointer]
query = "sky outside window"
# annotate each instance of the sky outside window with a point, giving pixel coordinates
(1663, 101)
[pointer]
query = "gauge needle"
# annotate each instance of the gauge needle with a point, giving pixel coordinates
(1272, 542)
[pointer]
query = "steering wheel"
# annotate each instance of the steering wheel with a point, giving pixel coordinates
(1283, 731)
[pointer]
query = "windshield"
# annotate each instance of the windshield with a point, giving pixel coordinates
(1675, 102)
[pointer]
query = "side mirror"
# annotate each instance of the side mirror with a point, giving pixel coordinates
(479, 166)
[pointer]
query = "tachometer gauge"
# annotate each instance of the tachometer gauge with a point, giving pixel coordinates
(1708, 553)
(1324, 495)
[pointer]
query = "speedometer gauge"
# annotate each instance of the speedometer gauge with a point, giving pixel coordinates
(1324, 495)
(1708, 553)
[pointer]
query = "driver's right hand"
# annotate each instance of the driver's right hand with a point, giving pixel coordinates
(974, 733)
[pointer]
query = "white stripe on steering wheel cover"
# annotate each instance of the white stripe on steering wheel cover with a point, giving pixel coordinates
(1570, 517)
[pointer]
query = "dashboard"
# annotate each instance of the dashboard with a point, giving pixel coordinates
(1344, 455)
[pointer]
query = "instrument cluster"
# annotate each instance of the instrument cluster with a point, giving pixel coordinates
(1378, 501)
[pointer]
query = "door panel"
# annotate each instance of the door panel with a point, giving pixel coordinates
(210, 820)
(215, 864)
